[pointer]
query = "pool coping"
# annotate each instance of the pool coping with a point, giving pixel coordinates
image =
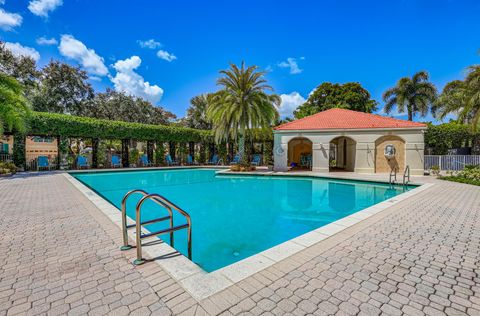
(201, 284)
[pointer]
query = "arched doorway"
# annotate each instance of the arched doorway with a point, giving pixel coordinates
(342, 154)
(300, 153)
(397, 162)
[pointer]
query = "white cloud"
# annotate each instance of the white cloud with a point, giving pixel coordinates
(43, 7)
(166, 55)
(19, 50)
(151, 43)
(76, 50)
(46, 41)
(8, 20)
(290, 102)
(130, 82)
(292, 64)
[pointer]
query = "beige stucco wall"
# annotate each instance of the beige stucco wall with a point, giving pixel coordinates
(7, 139)
(364, 147)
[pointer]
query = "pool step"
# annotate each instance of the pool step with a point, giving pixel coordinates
(166, 204)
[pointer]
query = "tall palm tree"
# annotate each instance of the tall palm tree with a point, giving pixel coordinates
(13, 105)
(242, 104)
(461, 97)
(412, 95)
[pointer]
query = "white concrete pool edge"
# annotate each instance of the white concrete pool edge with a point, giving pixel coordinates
(201, 284)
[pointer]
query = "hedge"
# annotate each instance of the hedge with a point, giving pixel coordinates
(52, 124)
(441, 138)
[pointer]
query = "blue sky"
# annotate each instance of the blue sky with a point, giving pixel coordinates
(301, 43)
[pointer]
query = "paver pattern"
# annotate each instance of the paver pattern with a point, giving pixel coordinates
(419, 257)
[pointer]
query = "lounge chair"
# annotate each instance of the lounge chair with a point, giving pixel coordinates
(145, 161)
(236, 160)
(256, 160)
(215, 160)
(43, 163)
(116, 161)
(190, 160)
(170, 161)
(82, 162)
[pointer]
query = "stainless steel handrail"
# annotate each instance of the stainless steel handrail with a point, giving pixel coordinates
(406, 175)
(393, 174)
(125, 227)
(169, 205)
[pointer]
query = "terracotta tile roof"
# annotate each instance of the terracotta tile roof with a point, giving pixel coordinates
(346, 119)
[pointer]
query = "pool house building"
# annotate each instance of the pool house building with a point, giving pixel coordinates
(345, 140)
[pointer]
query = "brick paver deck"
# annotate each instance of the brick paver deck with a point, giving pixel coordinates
(59, 255)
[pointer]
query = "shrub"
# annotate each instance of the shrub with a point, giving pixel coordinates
(435, 170)
(470, 175)
(7, 168)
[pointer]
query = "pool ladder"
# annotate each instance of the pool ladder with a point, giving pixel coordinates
(406, 175)
(393, 176)
(169, 206)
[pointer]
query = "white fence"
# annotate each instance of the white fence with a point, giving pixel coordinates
(451, 162)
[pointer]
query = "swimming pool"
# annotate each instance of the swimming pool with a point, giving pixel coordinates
(234, 217)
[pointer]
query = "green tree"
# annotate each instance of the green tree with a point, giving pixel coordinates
(196, 113)
(412, 95)
(63, 89)
(13, 105)
(461, 97)
(351, 96)
(241, 105)
(114, 105)
(21, 68)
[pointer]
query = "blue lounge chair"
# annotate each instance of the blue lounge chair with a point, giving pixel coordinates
(256, 160)
(82, 162)
(214, 161)
(145, 161)
(236, 160)
(190, 160)
(170, 161)
(43, 163)
(116, 161)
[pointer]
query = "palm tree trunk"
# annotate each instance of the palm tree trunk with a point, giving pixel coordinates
(410, 115)
(241, 145)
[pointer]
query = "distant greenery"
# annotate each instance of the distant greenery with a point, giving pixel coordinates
(351, 96)
(241, 105)
(461, 97)
(13, 105)
(470, 175)
(412, 95)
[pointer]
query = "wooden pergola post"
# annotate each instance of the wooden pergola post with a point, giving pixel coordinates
(171, 150)
(59, 153)
(150, 150)
(95, 142)
(191, 150)
(125, 153)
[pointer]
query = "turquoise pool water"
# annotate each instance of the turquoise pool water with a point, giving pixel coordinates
(234, 217)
